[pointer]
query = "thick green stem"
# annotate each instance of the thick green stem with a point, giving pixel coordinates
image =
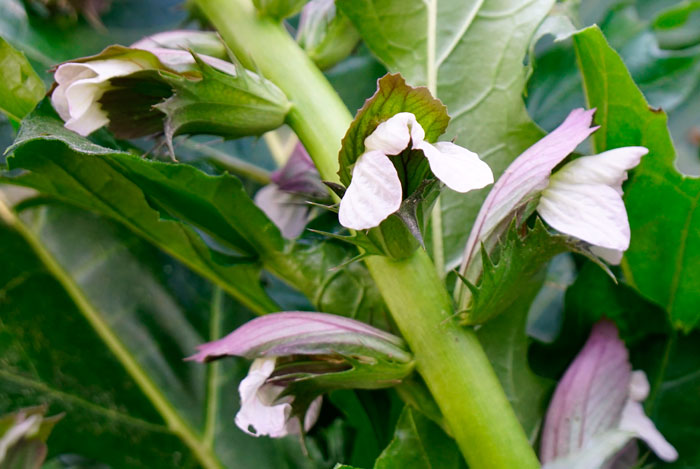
(450, 358)
(453, 365)
(318, 116)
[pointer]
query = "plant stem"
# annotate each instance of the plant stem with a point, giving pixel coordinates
(450, 358)
(453, 364)
(228, 162)
(318, 116)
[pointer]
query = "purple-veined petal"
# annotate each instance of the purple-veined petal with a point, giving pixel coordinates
(392, 136)
(526, 176)
(590, 397)
(374, 193)
(290, 333)
(460, 169)
(299, 174)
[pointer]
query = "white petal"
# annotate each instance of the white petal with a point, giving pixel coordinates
(609, 168)
(639, 386)
(288, 212)
(460, 169)
(392, 136)
(374, 193)
(255, 410)
(312, 413)
(635, 420)
(611, 256)
(80, 86)
(591, 212)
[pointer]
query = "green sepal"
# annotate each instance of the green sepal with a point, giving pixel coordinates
(517, 262)
(393, 95)
(23, 436)
(222, 104)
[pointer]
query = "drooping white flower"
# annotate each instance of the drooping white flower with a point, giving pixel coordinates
(261, 412)
(584, 200)
(375, 191)
(310, 347)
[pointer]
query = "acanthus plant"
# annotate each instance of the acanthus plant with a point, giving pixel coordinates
(339, 251)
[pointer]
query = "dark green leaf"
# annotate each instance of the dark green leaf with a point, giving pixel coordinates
(419, 444)
(115, 321)
(73, 169)
(661, 203)
(20, 87)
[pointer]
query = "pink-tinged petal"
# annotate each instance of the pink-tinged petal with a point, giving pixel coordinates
(590, 397)
(392, 136)
(526, 176)
(183, 61)
(460, 169)
(374, 193)
(635, 420)
(289, 212)
(289, 333)
(257, 415)
(299, 174)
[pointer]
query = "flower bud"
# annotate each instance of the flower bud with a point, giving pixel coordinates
(23, 437)
(279, 9)
(325, 33)
(298, 356)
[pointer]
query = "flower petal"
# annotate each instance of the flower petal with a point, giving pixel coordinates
(460, 169)
(590, 397)
(608, 168)
(392, 136)
(526, 176)
(374, 193)
(298, 333)
(636, 421)
(262, 418)
(288, 212)
(591, 212)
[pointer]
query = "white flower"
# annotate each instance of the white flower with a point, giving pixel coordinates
(584, 200)
(80, 86)
(261, 412)
(376, 192)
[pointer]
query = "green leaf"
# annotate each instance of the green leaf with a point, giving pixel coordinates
(679, 26)
(506, 344)
(393, 96)
(98, 329)
(20, 87)
(516, 265)
(472, 55)
(672, 364)
(419, 443)
(661, 203)
(73, 169)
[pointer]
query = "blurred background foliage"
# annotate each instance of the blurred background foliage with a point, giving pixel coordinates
(73, 280)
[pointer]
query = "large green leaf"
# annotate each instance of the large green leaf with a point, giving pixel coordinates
(152, 197)
(95, 324)
(471, 54)
(20, 87)
(662, 204)
(73, 169)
